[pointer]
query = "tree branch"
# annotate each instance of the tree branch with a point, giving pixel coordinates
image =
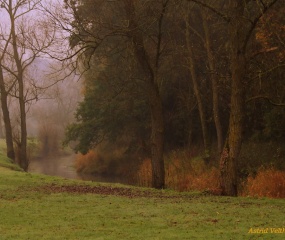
(267, 99)
(256, 20)
(222, 15)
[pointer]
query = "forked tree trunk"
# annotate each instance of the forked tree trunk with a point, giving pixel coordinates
(23, 160)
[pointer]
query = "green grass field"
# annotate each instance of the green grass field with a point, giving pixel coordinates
(42, 207)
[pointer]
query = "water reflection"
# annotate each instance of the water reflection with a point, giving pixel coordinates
(61, 166)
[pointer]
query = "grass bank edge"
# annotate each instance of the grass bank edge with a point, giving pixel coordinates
(8, 163)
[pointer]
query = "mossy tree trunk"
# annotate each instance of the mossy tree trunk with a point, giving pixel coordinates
(230, 154)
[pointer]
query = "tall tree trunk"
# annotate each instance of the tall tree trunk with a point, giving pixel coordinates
(153, 95)
(23, 160)
(230, 154)
(214, 82)
(6, 118)
(192, 67)
(2, 133)
(157, 138)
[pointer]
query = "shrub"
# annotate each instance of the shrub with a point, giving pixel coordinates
(109, 163)
(267, 183)
(192, 175)
(208, 180)
(144, 175)
(90, 163)
(183, 173)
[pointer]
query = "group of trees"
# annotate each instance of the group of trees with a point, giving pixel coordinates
(23, 40)
(158, 74)
(174, 73)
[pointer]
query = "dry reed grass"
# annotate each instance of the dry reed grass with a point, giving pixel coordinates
(268, 182)
(183, 174)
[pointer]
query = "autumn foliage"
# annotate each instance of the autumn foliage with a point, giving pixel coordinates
(268, 182)
(183, 173)
(111, 164)
(192, 174)
(89, 163)
(270, 33)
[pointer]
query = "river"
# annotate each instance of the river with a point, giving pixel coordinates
(63, 166)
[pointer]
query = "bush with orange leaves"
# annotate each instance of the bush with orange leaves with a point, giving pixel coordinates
(92, 162)
(268, 182)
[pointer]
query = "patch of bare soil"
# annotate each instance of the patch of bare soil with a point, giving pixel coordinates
(106, 190)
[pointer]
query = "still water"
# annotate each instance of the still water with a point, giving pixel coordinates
(55, 166)
(63, 166)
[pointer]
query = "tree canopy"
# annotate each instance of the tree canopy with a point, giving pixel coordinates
(177, 74)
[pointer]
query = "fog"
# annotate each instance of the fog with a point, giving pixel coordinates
(47, 119)
(52, 89)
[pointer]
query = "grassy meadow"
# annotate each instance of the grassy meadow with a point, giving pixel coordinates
(42, 207)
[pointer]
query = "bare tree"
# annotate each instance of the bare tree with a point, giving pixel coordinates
(4, 97)
(214, 79)
(25, 44)
(195, 80)
(51, 116)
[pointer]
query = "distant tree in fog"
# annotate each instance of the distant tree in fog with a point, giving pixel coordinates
(50, 116)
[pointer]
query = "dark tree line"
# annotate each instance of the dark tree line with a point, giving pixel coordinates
(171, 74)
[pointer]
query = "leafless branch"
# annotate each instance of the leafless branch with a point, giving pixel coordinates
(221, 14)
(268, 99)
